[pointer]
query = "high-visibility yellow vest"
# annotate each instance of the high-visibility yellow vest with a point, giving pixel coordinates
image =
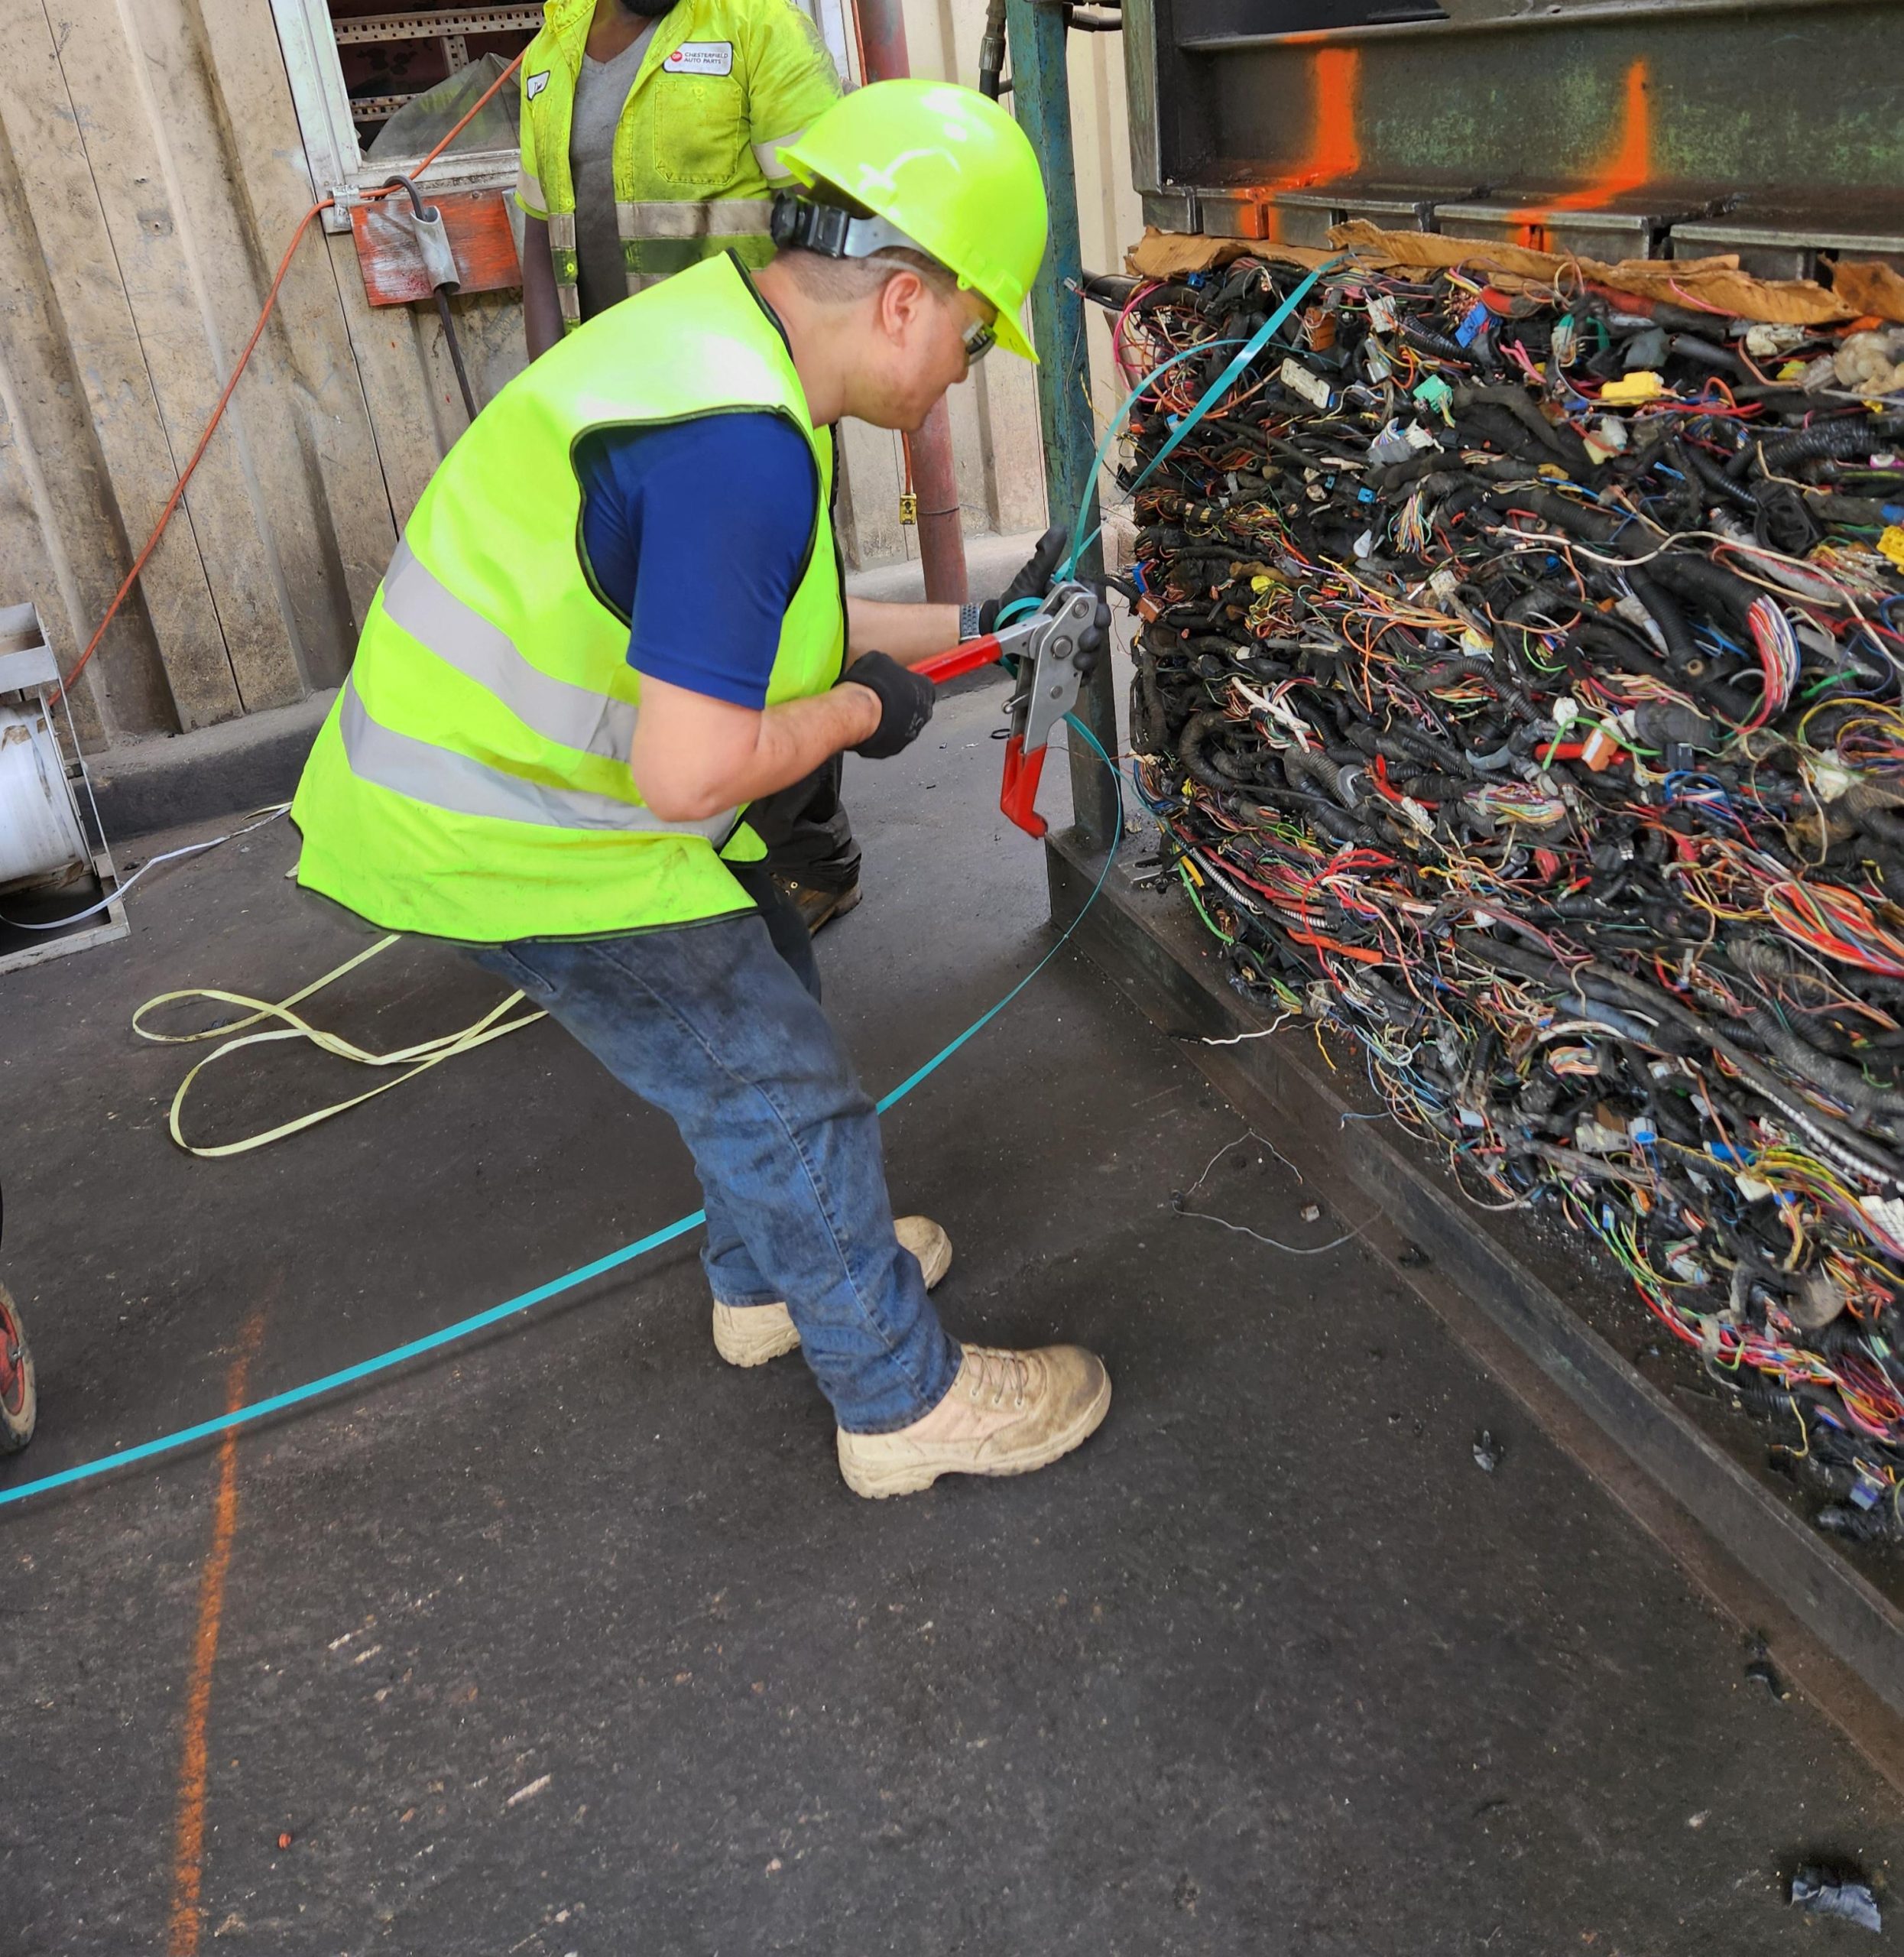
(723, 83)
(472, 781)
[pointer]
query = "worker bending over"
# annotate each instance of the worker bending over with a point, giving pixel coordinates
(616, 617)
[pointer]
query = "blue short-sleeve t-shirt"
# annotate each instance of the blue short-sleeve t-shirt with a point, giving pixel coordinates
(697, 534)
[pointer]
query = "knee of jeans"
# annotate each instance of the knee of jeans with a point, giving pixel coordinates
(824, 1100)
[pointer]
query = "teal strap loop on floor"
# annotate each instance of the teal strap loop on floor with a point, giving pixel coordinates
(465, 1328)
(433, 1341)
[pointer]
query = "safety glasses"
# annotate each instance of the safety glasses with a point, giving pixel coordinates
(978, 339)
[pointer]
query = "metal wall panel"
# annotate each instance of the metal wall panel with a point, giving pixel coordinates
(1599, 126)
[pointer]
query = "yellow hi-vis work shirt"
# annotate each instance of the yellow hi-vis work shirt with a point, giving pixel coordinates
(723, 84)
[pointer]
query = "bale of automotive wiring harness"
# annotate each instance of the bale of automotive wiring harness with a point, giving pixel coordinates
(1518, 691)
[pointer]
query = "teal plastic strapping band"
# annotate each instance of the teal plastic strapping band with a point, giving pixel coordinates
(1210, 396)
(1228, 378)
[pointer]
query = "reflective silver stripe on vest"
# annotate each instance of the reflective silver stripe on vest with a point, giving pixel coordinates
(462, 786)
(562, 230)
(572, 716)
(713, 217)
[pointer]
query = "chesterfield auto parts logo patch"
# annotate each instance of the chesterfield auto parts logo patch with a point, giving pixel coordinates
(701, 57)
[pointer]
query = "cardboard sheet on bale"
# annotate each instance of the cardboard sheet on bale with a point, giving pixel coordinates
(1176, 254)
(1875, 290)
(1716, 285)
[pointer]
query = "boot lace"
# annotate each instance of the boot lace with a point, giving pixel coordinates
(993, 1375)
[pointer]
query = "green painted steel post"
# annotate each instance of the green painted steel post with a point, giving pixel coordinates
(1041, 99)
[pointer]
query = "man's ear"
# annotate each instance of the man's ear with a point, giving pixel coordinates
(902, 299)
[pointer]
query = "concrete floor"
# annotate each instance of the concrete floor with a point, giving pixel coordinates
(573, 1641)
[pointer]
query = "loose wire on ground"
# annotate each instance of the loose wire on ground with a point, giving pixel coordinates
(1180, 1200)
(150, 863)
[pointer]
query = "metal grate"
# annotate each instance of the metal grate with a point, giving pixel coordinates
(433, 27)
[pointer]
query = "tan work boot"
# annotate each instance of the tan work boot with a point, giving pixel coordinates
(750, 1334)
(1007, 1412)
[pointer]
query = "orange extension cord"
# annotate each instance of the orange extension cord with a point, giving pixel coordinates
(224, 399)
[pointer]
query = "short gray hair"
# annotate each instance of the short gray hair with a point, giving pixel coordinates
(842, 281)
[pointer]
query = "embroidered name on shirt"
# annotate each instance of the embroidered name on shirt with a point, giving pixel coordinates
(534, 85)
(701, 57)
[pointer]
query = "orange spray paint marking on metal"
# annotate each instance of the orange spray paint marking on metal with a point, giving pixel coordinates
(1334, 150)
(186, 1922)
(1628, 166)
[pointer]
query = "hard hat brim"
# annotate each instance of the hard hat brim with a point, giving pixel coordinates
(1012, 336)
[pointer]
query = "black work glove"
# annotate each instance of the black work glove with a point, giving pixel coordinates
(1034, 581)
(906, 702)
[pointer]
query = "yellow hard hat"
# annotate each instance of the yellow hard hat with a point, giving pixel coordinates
(949, 169)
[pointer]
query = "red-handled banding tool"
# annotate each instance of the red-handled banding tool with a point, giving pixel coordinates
(1045, 645)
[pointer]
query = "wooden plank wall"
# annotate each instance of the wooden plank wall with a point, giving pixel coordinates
(150, 172)
(127, 140)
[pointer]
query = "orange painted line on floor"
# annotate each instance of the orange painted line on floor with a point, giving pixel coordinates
(1629, 165)
(188, 1921)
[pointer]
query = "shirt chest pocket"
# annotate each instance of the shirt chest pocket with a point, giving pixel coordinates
(700, 129)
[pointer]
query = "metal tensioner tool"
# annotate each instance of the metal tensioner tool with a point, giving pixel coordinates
(1043, 646)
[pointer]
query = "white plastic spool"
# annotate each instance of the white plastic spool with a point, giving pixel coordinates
(41, 839)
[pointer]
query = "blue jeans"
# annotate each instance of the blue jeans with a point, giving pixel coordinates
(719, 1026)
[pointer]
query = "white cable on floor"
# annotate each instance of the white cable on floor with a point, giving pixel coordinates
(1180, 1201)
(164, 856)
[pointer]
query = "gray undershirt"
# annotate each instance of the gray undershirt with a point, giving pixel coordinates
(601, 91)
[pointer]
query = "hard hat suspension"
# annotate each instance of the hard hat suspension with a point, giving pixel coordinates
(807, 225)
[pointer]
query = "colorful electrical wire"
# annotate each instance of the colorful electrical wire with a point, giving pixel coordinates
(1542, 732)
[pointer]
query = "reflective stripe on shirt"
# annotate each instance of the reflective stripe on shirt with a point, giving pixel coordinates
(768, 155)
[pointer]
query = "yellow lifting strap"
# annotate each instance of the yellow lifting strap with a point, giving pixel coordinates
(419, 1058)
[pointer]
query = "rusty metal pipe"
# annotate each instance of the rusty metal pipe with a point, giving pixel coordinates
(881, 32)
(941, 535)
(882, 39)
